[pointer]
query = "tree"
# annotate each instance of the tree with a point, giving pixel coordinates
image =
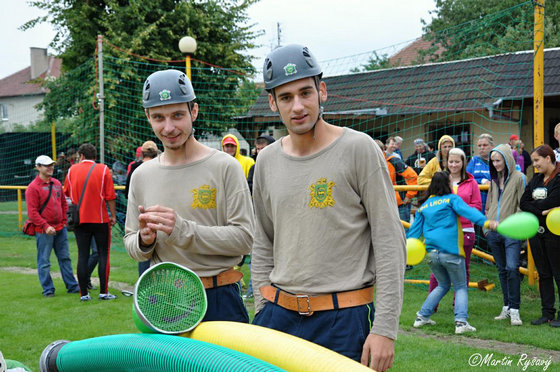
(474, 28)
(151, 29)
(375, 62)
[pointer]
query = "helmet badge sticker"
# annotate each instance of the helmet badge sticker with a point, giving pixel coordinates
(290, 69)
(164, 95)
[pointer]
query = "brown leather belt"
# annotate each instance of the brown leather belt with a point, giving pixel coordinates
(229, 276)
(307, 305)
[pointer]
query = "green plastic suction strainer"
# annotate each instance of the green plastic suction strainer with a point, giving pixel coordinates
(170, 298)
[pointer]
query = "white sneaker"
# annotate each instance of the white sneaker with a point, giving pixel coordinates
(463, 327)
(504, 314)
(107, 296)
(420, 321)
(515, 318)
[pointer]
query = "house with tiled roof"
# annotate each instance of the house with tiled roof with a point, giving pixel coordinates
(411, 53)
(23, 90)
(462, 98)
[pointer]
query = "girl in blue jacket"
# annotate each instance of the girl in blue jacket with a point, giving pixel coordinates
(437, 220)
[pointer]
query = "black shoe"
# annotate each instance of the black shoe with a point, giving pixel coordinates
(541, 320)
(555, 323)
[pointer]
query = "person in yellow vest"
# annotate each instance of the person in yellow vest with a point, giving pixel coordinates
(438, 163)
(230, 145)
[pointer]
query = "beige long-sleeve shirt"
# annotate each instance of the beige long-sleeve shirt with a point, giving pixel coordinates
(214, 226)
(328, 223)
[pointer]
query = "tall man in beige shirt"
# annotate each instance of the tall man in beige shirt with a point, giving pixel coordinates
(327, 224)
(190, 205)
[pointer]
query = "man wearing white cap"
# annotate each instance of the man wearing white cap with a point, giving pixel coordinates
(46, 209)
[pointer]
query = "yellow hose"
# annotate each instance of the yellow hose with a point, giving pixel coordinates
(280, 349)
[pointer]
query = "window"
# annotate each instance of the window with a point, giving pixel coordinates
(4, 112)
(459, 131)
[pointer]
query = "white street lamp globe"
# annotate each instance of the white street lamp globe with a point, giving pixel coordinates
(187, 45)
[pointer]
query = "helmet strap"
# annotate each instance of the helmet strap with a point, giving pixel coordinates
(189, 104)
(317, 80)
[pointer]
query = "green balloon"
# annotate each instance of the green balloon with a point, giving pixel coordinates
(520, 226)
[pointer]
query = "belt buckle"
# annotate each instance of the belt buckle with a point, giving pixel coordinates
(306, 297)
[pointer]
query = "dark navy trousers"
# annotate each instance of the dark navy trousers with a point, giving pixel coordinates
(342, 330)
(225, 303)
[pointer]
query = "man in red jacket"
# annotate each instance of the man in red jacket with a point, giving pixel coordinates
(46, 209)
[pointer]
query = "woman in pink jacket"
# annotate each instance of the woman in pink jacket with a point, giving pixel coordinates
(466, 187)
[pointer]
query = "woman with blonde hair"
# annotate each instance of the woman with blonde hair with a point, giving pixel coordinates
(439, 162)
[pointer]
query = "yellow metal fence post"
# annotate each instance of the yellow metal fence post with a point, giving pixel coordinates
(188, 67)
(532, 274)
(20, 209)
(53, 140)
(538, 74)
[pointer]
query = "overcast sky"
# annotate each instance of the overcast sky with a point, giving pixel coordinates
(332, 29)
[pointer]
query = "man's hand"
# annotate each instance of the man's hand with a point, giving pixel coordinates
(378, 352)
(50, 230)
(154, 219)
(406, 200)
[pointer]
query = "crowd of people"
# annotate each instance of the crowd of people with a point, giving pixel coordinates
(319, 196)
(501, 167)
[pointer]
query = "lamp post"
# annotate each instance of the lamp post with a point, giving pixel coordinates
(187, 45)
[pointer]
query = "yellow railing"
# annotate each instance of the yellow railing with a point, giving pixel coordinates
(19, 189)
(425, 187)
(529, 271)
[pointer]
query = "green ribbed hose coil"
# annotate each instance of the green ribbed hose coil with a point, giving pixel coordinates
(153, 353)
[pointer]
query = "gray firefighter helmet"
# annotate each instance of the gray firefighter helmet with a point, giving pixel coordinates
(289, 63)
(167, 87)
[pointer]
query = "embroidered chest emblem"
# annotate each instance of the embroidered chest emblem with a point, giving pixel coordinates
(321, 194)
(290, 69)
(204, 197)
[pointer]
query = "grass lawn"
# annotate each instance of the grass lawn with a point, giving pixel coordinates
(30, 322)
(13, 205)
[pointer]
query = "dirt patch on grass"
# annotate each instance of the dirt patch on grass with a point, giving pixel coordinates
(95, 281)
(492, 345)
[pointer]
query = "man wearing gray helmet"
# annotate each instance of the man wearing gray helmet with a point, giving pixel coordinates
(327, 224)
(191, 204)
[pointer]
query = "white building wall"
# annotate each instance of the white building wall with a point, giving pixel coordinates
(21, 110)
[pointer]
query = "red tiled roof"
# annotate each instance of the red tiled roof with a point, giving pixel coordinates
(409, 55)
(454, 86)
(20, 84)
